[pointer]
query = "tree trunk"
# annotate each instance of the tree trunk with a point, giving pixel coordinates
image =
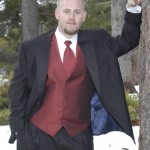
(134, 66)
(30, 19)
(117, 15)
(118, 8)
(144, 77)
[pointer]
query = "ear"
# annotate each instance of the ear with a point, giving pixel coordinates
(84, 15)
(57, 13)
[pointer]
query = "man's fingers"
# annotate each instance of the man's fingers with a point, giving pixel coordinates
(132, 3)
(139, 1)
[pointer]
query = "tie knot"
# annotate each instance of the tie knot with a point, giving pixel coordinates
(67, 43)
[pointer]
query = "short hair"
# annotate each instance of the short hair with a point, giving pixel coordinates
(83, 2)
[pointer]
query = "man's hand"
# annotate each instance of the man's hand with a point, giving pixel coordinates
(132, 3)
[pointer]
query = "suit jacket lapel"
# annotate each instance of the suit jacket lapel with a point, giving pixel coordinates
(42, 60)
(88, 51)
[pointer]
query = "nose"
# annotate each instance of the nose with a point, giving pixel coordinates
(72, 15)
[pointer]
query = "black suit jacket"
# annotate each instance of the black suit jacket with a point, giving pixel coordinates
(101, 52)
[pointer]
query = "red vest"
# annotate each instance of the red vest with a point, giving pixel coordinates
(67, 100)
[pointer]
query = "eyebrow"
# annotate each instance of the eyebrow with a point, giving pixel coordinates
(73, 10)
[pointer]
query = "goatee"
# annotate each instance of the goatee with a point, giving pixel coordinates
(70, 32)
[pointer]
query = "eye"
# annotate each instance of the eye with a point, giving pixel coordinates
(66, 11)
(77, 12)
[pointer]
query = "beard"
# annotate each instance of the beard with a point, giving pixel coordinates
(70, 32)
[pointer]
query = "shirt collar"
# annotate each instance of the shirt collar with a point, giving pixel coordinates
(61, 39)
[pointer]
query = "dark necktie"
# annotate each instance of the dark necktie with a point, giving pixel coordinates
(69, 58)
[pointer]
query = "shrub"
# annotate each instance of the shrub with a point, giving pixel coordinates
(133, 106)
(4, 116)
(4, 101)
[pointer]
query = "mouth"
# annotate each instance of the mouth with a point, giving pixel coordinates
(71, 23)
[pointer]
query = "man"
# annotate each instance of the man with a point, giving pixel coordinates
(56, 75)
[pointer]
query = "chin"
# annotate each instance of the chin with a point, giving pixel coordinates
(71, 32)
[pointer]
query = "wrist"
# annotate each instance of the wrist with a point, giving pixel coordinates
(135, 9)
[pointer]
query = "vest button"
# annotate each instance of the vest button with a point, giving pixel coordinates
(66, 84)
(65, 109)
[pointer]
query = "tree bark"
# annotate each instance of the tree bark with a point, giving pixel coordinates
(144, 78)
(117, 15)
(30, 19)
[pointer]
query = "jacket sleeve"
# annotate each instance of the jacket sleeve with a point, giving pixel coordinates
(129, 37)
(17, 93)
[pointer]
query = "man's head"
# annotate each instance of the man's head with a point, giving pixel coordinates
(70, 15)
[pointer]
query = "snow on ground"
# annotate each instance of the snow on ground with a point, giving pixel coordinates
(112, 141)
(116, 141)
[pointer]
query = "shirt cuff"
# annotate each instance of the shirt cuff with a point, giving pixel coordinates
(136, 9)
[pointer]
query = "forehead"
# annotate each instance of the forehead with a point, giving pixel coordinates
(70, 4)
